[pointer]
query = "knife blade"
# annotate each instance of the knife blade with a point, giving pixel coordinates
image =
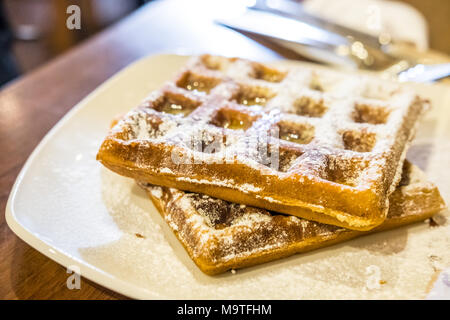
(279, 27)
(425, 73)
(308, 40)
(296, 11)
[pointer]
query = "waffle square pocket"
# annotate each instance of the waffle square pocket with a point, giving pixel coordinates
(322, 145)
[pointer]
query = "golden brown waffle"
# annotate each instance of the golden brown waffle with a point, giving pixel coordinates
(280, 139)
(219, 235)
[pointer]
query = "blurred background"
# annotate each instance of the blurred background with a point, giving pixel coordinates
(31, 31)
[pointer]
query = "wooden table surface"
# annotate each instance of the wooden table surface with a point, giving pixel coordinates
(30, 107)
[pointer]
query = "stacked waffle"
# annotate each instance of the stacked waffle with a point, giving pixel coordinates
(248, 163)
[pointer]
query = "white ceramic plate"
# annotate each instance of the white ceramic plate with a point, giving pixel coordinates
(74, 211)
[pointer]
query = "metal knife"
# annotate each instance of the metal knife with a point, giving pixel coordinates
(328, 47)
(296, 11)
(425, 73)
(309, 40)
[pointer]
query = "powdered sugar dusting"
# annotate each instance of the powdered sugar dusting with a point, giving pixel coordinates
(345, 130)
(160, 264)
(246, 187)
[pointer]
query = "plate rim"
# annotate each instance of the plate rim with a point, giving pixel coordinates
(64, 259)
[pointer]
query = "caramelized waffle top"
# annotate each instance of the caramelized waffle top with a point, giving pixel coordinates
(221, 235)
(277, 138)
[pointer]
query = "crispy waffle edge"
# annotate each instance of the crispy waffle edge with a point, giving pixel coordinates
(354, 208)
(267, 236)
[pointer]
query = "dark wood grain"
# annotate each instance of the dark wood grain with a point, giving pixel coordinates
(30, 106)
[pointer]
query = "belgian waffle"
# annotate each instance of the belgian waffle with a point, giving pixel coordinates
(279, 139)
(220, 235)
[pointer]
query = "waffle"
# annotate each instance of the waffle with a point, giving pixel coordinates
(279, 139)
(220, 235)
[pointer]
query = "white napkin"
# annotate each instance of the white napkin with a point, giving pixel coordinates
(376, 17)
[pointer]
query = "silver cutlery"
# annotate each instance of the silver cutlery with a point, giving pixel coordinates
(287, 24)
